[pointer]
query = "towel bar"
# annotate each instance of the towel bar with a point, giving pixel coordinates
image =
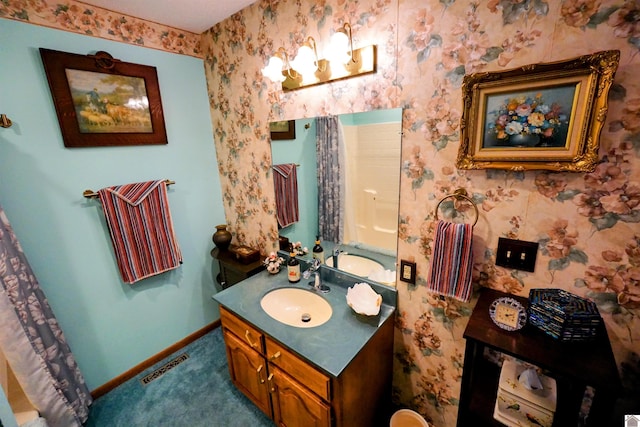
(297, 165)
(90, 194)
(460, 193)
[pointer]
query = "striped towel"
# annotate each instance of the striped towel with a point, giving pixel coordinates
(285, 181)
(141, 230)
(452, 261)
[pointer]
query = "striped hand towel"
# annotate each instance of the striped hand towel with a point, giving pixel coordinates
(285, 182)
(452, 261)
(141, 229)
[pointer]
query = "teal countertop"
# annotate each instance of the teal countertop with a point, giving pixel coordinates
(330, 346)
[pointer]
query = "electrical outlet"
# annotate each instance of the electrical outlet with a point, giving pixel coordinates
(408, 272)
(517, 254)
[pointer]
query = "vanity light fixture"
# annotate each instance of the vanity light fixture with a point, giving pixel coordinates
(343, 61)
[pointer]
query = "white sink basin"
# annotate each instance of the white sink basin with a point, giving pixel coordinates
(358, 265)
(296, 307)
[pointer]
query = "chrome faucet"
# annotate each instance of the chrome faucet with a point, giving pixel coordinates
(336, 255)
(316, 283)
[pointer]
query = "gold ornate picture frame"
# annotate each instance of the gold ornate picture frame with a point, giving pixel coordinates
(545, 116)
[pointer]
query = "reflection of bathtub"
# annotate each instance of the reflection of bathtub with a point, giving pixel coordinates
(356, 264)
(373, 182)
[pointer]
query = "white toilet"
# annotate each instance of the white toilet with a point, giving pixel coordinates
(407, 418)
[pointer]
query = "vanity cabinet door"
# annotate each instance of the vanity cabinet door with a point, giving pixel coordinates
(248, 370)
(294, 405)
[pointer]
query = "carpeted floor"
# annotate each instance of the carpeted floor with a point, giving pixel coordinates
(196, 392)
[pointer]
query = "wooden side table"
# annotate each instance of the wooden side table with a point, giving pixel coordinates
(231, 270)
(574, 365)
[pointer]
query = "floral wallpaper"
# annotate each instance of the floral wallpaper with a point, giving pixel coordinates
(586, 223)
(94, 21)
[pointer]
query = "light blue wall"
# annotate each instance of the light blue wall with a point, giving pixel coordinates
(7, 419)
(111, 326)
(302, 151)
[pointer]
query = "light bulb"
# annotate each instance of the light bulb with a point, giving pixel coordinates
(338, 50)
(273, 70)
(305, 61)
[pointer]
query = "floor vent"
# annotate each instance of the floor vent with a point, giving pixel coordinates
(164, 369)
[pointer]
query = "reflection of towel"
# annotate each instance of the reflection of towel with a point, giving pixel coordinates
(141, 230)
(452, 261)
(285, 181)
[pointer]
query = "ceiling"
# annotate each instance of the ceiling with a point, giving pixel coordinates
(195, 16)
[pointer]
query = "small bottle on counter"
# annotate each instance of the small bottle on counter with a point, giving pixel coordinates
(318, 252)
(293, 268)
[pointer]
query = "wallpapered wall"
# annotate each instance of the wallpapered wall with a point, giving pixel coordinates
(586, 223)
(95, 21)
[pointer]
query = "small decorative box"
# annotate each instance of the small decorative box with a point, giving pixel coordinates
(244, 254)
(518, 406)
(563, 315)
(283, 243)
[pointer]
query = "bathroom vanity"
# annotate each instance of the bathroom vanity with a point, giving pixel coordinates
(337, 374)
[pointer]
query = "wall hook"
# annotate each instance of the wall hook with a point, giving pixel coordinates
(5, 122)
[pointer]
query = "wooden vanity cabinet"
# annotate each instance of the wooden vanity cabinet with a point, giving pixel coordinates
(294, 393)
(276, 393)
(248, 370)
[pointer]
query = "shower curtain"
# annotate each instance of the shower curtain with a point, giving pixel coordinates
(33, 342)
(329, 152)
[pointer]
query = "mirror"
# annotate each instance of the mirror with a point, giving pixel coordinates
(372, 163)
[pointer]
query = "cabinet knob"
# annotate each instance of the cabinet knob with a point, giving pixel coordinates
(270, 380)
(275, 356)
(247, 335)
(260, 380)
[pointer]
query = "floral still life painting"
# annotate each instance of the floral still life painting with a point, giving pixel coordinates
(530, 119)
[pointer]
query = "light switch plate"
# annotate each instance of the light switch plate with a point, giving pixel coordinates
(517, 254)
(408, 271)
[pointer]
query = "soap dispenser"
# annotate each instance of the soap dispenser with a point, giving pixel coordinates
(318, 251)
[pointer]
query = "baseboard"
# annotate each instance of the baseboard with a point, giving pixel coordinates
(107, 387)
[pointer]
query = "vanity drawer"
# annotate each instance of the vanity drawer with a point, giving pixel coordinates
(314, 380)
(247, 333)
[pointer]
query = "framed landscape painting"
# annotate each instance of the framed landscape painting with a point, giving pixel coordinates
(542, 116)
(102, 101)
(281, 130)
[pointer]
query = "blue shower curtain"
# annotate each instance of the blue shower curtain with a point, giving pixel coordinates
(33, 343)
(329, 146)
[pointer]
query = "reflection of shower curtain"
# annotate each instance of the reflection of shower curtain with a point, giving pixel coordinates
(329, 145)
(33, 342)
